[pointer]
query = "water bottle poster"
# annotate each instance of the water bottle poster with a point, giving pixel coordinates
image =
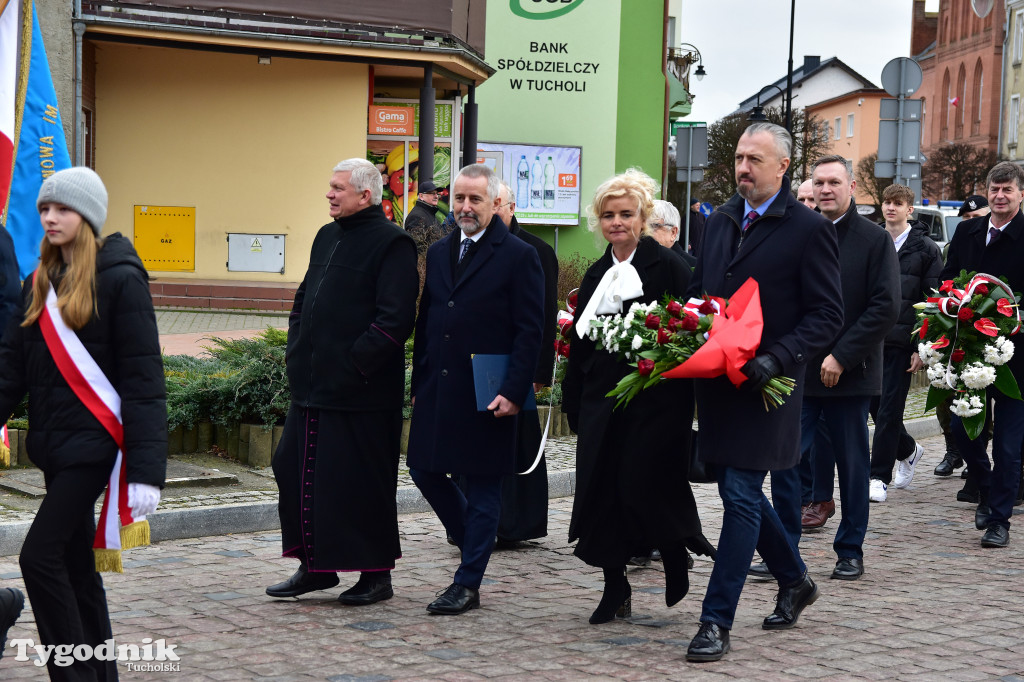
(545, 180)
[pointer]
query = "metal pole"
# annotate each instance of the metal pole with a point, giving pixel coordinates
(789, 75)
(899, 126)
(689, 175)
(427, 114)
(469, 129)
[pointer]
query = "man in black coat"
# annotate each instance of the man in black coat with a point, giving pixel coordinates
(422, 222)
(843, 377)
(483, 295)
(761, 233)
(524, 499)
(696, 227)
(920, 262)
(994, 244)
(337, 463)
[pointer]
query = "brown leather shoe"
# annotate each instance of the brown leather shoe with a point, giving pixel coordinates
(817, 514)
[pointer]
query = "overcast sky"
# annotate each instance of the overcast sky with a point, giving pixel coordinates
(745, 43)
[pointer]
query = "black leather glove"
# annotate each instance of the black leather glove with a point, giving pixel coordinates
(574, 421)
(759, 371)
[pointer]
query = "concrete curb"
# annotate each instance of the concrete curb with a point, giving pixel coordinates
(251, 517)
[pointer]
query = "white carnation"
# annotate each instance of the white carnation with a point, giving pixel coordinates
(966, 408)
(978, 376)
(638, 342)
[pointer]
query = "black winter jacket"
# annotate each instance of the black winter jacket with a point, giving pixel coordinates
(122, 337)
(920, 264)
(352, 314)
(870, 277)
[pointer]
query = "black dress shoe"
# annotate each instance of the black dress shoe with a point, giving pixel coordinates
(301, 582)
(760, 571)
(982, 515)
(996, 536)
(949, 464)
(790, 602)
(371, 588)
(12, 601)
(709, 644)
(848, 569)
(969, 493)
(455, 599)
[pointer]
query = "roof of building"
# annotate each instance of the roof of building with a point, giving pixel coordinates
(812, 65)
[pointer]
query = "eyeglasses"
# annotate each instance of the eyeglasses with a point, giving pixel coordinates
(661, 226)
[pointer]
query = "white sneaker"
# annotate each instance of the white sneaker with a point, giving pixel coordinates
(905, 469)
(877, 491)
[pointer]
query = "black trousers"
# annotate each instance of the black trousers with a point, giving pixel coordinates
(891, 441)
(57, 563)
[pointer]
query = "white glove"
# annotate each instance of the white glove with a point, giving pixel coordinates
(142, 498)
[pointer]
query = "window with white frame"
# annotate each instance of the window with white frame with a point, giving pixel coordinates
(1018, 41)
(838, 132)
(849, 125)
(1013, 120)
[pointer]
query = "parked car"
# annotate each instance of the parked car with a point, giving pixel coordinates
(940, 220)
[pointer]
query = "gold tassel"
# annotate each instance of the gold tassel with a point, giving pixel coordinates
(5, 455)
(108, 560)
(135, 535)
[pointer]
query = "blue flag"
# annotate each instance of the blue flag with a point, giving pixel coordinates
(40, 150)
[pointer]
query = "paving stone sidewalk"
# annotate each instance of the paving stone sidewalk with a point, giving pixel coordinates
(933, 605)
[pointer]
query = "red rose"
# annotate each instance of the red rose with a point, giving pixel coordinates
(941, 342)
(563, 348)
(706, 308)
(664, 335)
(688, 323)
(958, 355)
(1004, 307)
(964, 314)
(981, 289)
(674, 308)
(564, 326)
(947, 285)
(675, 324)
(644, 366)
(924, 328)
(987, 327)
(652, 322)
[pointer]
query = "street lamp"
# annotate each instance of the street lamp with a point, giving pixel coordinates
(757, 113)
(683, 59)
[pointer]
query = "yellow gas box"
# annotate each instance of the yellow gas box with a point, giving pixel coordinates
(165, 237)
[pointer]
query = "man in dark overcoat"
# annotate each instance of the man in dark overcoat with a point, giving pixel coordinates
(524, 499)
(844, 376)
(792, 253)
(337, 463)
(994, 244)
(483, 294)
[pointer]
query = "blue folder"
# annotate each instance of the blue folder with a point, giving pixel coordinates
(489, 372)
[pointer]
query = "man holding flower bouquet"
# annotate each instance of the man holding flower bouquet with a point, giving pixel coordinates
(994, 244)
(761, 233)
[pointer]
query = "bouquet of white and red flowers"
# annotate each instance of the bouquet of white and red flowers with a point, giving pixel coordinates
(702, 338)
(964, 343)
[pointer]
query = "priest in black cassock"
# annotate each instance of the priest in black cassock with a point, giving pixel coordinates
(337, 462)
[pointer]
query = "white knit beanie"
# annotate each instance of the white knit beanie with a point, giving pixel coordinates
(78, 188)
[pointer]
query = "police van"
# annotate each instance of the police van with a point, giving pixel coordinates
(940, 219)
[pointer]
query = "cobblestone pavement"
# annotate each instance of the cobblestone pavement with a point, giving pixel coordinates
(933, 605)
(190, 322)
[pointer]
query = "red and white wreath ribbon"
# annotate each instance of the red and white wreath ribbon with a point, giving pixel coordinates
(949, 305)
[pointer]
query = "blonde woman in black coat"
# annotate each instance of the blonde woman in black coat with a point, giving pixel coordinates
(632, 494)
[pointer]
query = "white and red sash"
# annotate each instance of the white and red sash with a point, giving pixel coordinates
(119, 529)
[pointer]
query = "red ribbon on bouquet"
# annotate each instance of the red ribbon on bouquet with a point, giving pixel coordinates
(733, 340)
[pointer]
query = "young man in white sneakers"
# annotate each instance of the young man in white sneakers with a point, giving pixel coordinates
(920, 262)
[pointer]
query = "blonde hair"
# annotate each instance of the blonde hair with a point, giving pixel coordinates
(633, 183)
(76, 292)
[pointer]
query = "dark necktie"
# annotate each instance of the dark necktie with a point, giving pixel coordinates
(751, 217)
(465, 247)
(993, 235)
